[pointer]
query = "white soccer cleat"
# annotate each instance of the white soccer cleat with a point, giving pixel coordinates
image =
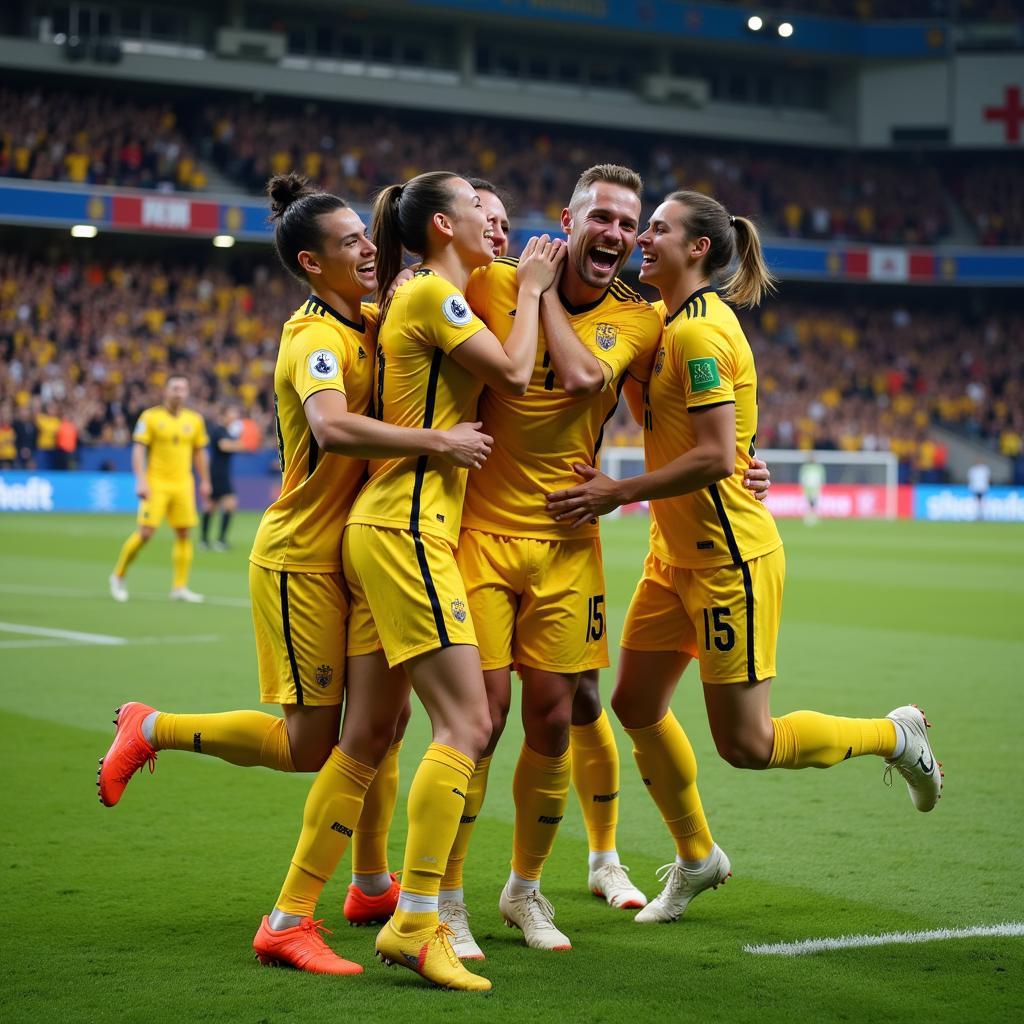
(921, 772)
(184, 594)
(118, 591)
(534, 916)
(611, 882)
(454, 914)
(681, 885)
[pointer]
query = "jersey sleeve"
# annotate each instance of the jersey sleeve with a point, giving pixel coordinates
(442, 314)
(202, 438)
(636, 339)
(143, 432)
(707, 365)
(318, 359)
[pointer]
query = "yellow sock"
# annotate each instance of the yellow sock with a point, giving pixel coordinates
(595, 774)
(333, 807)
(437, 799)
(129, 549)
(181, 561)
(669, 769)
(370, 843)
(540, 789)
(807, 739)
(246, 738)
(474, 801)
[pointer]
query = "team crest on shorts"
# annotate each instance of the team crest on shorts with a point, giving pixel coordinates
(607, 335)
(324, 675)
(459, 610)
(659, 363)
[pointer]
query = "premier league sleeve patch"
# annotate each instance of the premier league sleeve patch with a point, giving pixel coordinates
(456, 311)
(323, 365)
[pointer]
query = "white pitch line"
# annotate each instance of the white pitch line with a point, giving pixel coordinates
(144, 641)
(18, 588)
(1011, 929)
(100, 639)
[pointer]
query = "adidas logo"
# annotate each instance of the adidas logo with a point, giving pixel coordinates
(458, 792)
(343, 829)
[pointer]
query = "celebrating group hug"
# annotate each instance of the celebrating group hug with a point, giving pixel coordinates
(438, 528)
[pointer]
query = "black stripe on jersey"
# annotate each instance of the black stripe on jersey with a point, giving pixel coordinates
(286, 626)
(623, 292)
(748, 593)
(723, 518)
(314, 304)
(314, 455)
(280, 436)
(509, 261)
(585, 308)
(611, 413)
(698, 294)
(414, 514)
(713, 405)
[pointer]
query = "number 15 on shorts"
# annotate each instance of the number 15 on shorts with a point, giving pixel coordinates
(595, 618)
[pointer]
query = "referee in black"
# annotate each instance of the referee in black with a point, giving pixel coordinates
(225, 440)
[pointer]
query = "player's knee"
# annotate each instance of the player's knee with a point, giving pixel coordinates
(547, 728)
(586, 705)
(311, 755)
(145, 532)
(751, 751)
(630, 711)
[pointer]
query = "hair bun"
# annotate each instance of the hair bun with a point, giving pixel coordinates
(285, 189)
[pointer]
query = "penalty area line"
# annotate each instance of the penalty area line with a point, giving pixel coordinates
(1009, 929)
(100, 639)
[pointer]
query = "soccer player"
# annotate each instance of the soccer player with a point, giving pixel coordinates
(812, 479)
(323, 383)
(712, 581)
(979, 480)
(168, 442)
(224, 442)
(409, 604)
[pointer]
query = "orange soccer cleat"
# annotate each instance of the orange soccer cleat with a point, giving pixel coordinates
(127, 754)
(301, 947)
(361, 909)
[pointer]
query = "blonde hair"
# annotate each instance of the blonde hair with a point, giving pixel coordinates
(613, 174)
(732, 238)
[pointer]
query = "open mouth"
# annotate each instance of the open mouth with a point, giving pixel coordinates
(366, 269)
(604, 258)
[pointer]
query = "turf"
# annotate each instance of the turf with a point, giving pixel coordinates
(146, 912)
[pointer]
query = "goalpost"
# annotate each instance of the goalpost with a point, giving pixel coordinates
(879, 469)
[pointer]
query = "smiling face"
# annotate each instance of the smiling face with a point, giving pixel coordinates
(602, 228)
(497, 220)
(664, 245)
(467, 224)
(344, 261)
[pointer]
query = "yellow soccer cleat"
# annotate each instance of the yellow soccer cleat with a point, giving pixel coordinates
(428, 952)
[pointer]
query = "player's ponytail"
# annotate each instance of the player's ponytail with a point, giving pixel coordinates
(296, 204)
(732, 239)
(401, 219)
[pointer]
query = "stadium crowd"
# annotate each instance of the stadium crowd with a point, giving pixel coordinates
(895, 198)
(84, 347)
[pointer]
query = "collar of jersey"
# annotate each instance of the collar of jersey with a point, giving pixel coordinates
(700, 291)
(586, 307)
(360, 327)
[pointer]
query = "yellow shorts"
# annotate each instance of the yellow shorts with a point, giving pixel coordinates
(299, 620)
(407, 594)
(538, 603)
(727, 618)
(178, 504)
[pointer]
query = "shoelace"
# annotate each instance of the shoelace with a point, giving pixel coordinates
(452, 911)
(619, 874)
(539, 907)
(443, 934)
(313, 929)
(674, 876)
(150, 760)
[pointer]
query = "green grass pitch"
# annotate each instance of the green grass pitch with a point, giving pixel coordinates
(145, 912)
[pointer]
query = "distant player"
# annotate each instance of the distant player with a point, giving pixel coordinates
(979, 480)
(225, 440)
(168, 443)
(812, 479)
(712, 580)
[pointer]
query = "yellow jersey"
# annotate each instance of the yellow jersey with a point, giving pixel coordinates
(320, 350)
(704, 360)
(539, 435)
(46, 432)
(172, 440)
(8, 447)
(418, 385)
